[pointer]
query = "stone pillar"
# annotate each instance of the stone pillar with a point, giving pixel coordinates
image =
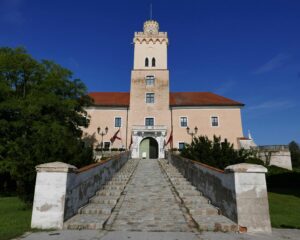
(251, 197)
(50, 193)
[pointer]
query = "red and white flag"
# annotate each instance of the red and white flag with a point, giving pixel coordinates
(170, 140)
(115, 136)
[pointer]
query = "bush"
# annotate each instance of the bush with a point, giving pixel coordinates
(216, 153)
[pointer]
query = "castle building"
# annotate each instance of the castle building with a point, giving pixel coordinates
(150, 119)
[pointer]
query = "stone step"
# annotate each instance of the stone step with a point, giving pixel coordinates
(189, 193)
(215, 223)
(116, 183)
(109, 193)
(185, 187)
(104, 199)
(203, 210)
(86, 221)
(95, 208)
(113, 187)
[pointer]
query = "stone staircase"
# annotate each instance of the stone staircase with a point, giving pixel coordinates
(205, 215)
(96, 213)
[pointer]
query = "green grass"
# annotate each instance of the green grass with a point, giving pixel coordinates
(15, 217)
(285, 208)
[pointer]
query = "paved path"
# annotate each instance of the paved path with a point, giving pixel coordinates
(149, 203)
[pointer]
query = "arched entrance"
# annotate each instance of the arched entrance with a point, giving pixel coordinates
(148, 148)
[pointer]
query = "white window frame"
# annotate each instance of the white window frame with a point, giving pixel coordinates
(153, 97)
(146, 78)
(211, 121)
(153, 121)
(187, 121)
(180, 143)
(115, 122)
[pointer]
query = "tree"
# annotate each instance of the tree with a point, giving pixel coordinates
(41, 117)
(217, 153)
(295, 153)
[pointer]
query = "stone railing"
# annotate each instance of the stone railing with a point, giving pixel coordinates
(240, 192)
(273, 147)
(61, 189)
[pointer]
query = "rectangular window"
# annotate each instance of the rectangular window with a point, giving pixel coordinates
(149, 97)
(149, 121)
(150, 80)
(183, 121)
(214, 121)
(118, 122)
(106, 145)
(181, 145)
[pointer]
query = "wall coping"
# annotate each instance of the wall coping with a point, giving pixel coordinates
(93, 165)
(246, 168)
(201, 164)
(55, 167)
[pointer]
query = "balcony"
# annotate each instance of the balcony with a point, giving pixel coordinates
(149, 128)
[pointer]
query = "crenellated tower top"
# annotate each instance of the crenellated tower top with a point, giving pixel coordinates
(151, 33)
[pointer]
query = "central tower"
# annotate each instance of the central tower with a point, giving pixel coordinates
(149, 113)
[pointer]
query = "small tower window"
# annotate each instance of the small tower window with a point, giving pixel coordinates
(146, 62)
(150, 80)
(153, 62)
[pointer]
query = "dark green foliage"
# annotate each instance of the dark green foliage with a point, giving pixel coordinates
(41, 115)
(282, 178)
(216, 153)
(295, 153)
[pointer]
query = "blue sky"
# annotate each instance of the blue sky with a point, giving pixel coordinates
(246, 50)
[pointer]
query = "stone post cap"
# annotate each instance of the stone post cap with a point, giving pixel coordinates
(246, 168)
(55, 167)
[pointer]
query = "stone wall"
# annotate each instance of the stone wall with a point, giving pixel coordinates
(281, 158)
(240, 191)
(61, 189)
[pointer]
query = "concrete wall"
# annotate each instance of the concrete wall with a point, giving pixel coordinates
(61, 189)
(240, 192)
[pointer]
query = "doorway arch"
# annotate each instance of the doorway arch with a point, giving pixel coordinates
(148, 148)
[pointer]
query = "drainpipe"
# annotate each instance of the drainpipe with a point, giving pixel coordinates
(126, 125)
(172, 127)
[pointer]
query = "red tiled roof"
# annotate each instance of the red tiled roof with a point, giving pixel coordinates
(117, 99)
(121, 99)
(200, 99)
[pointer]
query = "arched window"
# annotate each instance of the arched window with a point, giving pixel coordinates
(153, 62)
(146, 62)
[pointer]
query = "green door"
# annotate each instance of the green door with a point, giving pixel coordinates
(149, 148)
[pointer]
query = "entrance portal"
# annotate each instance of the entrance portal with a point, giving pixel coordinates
(149, 148)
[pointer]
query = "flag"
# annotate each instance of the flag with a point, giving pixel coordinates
(131, 141)
(170, 140)
(115, 137)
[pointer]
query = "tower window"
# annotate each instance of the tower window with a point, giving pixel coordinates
(150, 80)
(214, 121)
(146, 62)
(149, 121)
(149, 97)
(153, 62)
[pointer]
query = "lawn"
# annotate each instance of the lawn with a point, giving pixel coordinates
(15, 217)
(285, 208)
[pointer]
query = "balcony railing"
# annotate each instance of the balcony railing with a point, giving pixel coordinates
(144, 127)
(273, 148)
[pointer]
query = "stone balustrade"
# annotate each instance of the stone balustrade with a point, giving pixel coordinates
(240, 192)
(61, 189)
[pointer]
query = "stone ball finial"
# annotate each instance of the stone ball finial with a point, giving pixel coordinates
(151, 27)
